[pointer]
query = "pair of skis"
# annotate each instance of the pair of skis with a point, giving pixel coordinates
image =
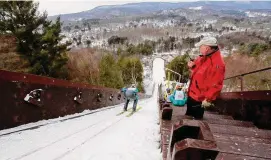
(130, 111)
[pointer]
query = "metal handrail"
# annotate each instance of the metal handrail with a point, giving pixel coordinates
(241, 75)
(175, 73)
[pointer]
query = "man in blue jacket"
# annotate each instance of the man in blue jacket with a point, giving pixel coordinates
(130, 94)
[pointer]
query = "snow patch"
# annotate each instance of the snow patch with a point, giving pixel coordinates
(196, 8)
(257, 14)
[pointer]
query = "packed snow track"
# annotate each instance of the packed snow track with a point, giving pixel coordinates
(90, 135)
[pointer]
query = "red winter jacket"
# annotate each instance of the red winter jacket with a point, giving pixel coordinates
(207, 77)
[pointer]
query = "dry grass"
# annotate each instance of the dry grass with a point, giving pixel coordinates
(13, 62)
(9, 59)
(7, 44)
(238, 64)
(83, 65)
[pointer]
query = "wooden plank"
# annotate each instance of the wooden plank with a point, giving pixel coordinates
(164, 151)
(246, 149)
(215, 118)
(207, 116)
(177, 118)
(165, 139)
(166, 125)
(228, 156)
(230, 122)
(240, 131)
(220, 121)
(180, 111)
(236, 139)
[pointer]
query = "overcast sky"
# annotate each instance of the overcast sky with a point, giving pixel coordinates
(55, 7)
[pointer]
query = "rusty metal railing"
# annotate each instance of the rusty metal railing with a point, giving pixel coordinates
(29, 98)
(253, 106)
(240, 76)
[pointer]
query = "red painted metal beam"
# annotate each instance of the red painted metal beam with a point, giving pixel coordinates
(30, 78)
(48, 98)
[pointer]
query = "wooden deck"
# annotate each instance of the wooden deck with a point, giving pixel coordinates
(216, 137)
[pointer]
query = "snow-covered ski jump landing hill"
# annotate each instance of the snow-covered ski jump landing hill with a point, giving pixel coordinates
(93, 136)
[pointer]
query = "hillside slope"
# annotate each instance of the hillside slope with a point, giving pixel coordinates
(135, 9)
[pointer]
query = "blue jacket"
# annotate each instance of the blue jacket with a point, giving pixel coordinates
(178, 98)
(130, 93)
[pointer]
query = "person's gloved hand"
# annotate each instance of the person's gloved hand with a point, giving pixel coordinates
(206, 104)
(190, 64)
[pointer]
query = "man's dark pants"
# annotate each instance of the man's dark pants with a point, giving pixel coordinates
(127, 102)
(194, 108)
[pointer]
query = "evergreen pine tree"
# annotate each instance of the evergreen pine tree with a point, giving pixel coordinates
(53, 56)
(110, 74)
(22, 19)
(38, 39)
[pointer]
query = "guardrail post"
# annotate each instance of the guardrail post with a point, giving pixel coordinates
(244, 74)
(241, 81)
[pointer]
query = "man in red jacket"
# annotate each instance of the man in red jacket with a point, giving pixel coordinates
(207, 75)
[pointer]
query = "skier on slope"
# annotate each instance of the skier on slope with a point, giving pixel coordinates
(130, 94)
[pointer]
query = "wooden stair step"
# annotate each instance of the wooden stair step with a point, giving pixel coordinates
(234, 138)
(229, 156)
(240, 131)
(252, 149)
(230, 122)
